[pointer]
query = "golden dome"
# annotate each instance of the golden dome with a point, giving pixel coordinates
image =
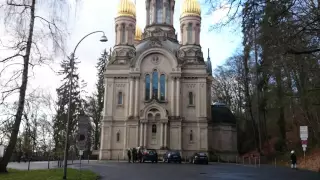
(138, 35)
(191, 8)
(126, 8)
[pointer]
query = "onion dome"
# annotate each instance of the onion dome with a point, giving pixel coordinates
(126, 8)
(191, 8)
(138, 35)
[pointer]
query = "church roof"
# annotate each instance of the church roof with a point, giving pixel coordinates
(191, 8)
(221, 114)
(126, 8)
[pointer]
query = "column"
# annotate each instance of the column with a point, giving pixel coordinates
(130, 96)
(141, 134)
(165, 134)
(172, 96)
(145, 134)
(161, 135)
(105, 100)
(136, 100)
(125, 139)
(178, 97)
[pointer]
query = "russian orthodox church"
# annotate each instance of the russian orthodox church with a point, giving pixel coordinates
(157, 89)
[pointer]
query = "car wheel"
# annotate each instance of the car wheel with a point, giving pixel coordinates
(156, 161)
(168, 161)
(207, 162)
(179, 162)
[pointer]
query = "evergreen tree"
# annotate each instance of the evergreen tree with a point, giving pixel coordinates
(96, 101)
(60, 120)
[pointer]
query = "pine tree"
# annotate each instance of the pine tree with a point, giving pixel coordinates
(96, 101)
(60, 119)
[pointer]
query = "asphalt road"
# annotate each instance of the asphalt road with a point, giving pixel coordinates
(163, 171)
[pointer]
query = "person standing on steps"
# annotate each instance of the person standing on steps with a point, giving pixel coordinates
(293, 158)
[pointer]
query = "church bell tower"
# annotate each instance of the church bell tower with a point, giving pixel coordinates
(125, 29)
(159, 19)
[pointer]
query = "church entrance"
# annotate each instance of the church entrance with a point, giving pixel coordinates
(154, 127)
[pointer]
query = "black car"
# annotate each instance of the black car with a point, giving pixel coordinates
(149, 155)
(172, 156)
(199, 158)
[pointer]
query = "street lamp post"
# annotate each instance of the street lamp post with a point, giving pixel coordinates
(102, 39)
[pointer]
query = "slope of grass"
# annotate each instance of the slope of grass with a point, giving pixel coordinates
(51, 174)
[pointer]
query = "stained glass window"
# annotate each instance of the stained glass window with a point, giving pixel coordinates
(159, 7)
(155, 83)
(168, 13)
(147, 95)
(162, 87)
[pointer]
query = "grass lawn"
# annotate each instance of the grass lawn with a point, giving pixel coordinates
(50, 174)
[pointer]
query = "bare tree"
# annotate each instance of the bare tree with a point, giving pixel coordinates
(22, 19)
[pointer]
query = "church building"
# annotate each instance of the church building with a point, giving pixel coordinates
(157, 89)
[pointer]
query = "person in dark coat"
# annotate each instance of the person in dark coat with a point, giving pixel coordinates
(293, 158)
(139, 155)
(129, 155)
(134, 155)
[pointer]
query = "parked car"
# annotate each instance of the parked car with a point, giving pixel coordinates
(149, 155)
(172, 156)
(199, 158)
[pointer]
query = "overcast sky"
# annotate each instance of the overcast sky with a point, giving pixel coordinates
(93, 15)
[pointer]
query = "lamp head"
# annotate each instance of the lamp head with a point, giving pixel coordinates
(103, 38)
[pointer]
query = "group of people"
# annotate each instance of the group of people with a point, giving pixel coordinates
(134, 155)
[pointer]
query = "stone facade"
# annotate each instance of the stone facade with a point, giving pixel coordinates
(157, 91)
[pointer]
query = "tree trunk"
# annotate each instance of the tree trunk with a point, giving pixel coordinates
(96, 136)
(281, 120)
(22, 94)
(247, 94)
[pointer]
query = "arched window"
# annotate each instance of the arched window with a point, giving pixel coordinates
(159, 7)
(162, 87)
(123, 33)
(118, 136)
(120, 98)
(189, 31)
(154, 128)
(190, 98)
(155, 84)
(191, 136)
(168, 13)
(147, 95)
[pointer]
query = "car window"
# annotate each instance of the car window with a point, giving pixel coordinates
(175, 152)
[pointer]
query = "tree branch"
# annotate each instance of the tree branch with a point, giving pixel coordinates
(291, 51)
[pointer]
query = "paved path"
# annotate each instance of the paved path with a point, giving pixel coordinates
(163, 171)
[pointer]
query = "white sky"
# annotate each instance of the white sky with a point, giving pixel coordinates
(93, 15)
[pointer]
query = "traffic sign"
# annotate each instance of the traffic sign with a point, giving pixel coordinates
(304, 132)
(83, 130)
(304, 142)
